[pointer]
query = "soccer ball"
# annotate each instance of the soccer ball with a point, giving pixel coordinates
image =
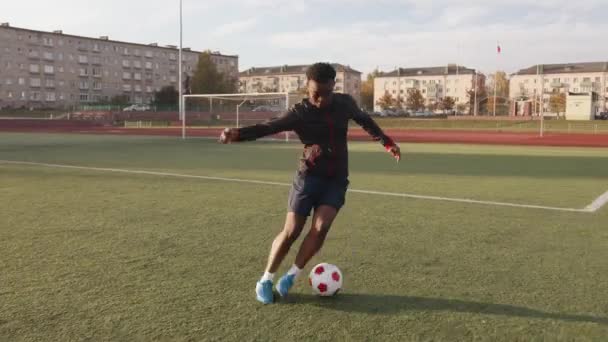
(325, 279)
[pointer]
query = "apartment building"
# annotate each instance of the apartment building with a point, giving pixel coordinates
(292, 79)
(547, 79)
(55, 70)
(434, 83)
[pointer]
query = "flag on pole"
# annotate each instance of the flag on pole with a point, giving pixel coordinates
(498, 48)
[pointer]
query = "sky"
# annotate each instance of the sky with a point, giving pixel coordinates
(365, 34)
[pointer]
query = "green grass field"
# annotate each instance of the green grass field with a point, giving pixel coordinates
(99, 255)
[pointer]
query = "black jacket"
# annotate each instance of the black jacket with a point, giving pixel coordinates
(323, 133)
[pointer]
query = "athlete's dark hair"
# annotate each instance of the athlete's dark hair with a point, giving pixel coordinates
(321, 72)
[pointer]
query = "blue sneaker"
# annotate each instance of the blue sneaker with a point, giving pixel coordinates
(263, 291)
(285, 283)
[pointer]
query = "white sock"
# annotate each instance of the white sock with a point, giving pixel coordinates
(294, 270)
(267, 276)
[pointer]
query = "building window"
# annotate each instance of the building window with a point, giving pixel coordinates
(50, 97)
(83, 59)
(48, 56)
(126, 63)
(126, 87)
(9, 81)
(84, 97)
(34, 82)
(84, 72)
(84, 84)
(126, 75)
(96, 85)
(49, 69)
(35, 96)
(137, 64)
(137, 88)
(172, 56)
(137, 76)
(21, 81)
(173, 79)
(34, 68)
(9, 94)
(50, 83)
(148, 65)
(149, 54)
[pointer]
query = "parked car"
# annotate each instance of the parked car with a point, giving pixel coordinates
(267, 109)
(602, 116)
(388, 112)
(136, 108)
(423, 114)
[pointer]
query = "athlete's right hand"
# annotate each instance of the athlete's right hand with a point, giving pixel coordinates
(229, 135)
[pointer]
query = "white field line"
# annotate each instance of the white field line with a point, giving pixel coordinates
(596, 205)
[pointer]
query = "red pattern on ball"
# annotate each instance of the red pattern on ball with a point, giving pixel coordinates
(319, 270)
(322, 288)
(335, 276)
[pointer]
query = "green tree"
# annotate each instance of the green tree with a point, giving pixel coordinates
(367, 90)
(461, 107)
(119, 100)
(557, 103)
(166, 96)
(415, 100)
(386, 101)
(502, 85)
(447, 104)
(481, 103)
(208, 80)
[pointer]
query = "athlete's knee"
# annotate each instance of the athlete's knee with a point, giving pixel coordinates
(321, 228)
(293, 228)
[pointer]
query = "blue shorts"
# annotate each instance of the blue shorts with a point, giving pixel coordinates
(310, 192)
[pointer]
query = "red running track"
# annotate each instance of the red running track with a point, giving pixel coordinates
(400, 135)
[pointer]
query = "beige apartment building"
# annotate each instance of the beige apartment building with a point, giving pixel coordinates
(292, 79)
(55, 70)
(547, 79)
(434, 83)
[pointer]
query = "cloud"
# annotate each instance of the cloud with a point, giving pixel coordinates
(236, 27)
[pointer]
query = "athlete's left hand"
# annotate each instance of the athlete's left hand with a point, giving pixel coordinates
(395, 151)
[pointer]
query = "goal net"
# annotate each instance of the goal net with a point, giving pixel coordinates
(209, 112)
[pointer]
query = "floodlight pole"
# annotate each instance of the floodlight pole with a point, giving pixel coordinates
(182, 115)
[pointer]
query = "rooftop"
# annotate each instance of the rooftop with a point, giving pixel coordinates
(450, 69)
(564, 68)
(290, 69)
(106, 39)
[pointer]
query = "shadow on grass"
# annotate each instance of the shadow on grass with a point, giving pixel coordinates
(390, 304)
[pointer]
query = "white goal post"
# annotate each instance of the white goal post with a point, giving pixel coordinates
(234, 110)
